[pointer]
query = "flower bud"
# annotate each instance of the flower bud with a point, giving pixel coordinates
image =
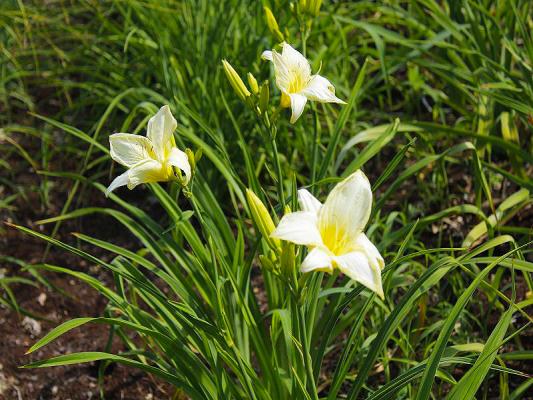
(266, 263)
(314, 7)
(288, 251)
(236, 81)
(287, 258)
(264, 97)
(198, 155)
(311, 7)
(273, 25)
(253, 83)
(191, 158)
(262, 219)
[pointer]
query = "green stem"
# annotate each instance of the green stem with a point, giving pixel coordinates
(316, 143)
(306, 353)
(303, 33)
(270, 128)
(277, 165)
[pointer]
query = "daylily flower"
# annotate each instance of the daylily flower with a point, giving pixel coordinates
(297, 85)
(151, 158)
(333, 232)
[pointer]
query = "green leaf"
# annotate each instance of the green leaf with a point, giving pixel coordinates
(429, 373)
(518, 199)
(467, 387)
(84, 357)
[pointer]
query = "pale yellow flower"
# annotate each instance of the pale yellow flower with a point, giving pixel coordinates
(333, 232)
(297, 85)
(151, 158)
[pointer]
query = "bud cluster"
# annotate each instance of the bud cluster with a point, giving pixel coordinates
(257, 97)
(311, 7)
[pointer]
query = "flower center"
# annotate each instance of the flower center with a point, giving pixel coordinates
(298, 81)
(336, 239)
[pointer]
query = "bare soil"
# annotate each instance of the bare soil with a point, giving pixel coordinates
(18, 333)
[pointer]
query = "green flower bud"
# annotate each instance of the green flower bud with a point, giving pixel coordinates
(253, 83)
(273, 25)
(314, 7)
(262, 219)
(266, 263)
(191, 158)
(236, 81)
(264, 97)
(311, 7)
(198, 155)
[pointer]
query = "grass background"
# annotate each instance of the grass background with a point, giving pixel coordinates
(455, 172)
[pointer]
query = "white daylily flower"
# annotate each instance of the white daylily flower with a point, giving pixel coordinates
(297, 85)
(151, 158)
(333, 231)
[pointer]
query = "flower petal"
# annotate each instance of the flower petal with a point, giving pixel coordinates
(308, 202)
(357, 267)
(299, 227)
(345, 212)
(128, 149)
(178, 158)
(146, 172)
(297, 106)
(295, 61)
(317, 260)
(281, 71)
(120, 180)
(160, 129)
(320, 89)
(267, 55)
(372, 253)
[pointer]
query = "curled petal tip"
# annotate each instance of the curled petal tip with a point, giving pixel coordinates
(267, 55)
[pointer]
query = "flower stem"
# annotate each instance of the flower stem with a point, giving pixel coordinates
(306, 352)
(279, 174)
(270, 127)
(316, 143)
(303, 33)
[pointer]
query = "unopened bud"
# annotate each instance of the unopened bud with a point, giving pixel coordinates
(311, 7)
(273, 25)
(253, 83)
(262, 219)
(266, 263)
(288, 253)
(264, 97)
(287, 257)
(191, 158)
(198, 155)
(314, 7)
(236, 81)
